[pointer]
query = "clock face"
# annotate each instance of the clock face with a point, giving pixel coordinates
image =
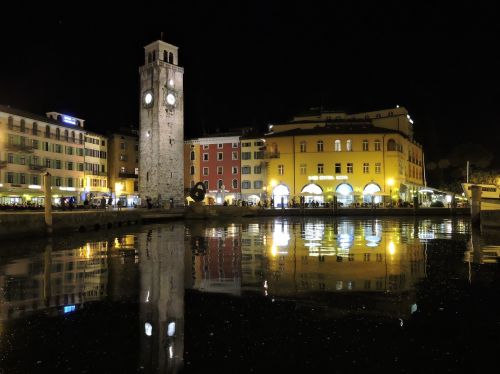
(170, 99)
(148, 99)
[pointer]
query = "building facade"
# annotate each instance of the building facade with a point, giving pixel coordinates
(191, 165)
(123, 159)
(161, 125)
(96, 166)
(253, 169)
(219, 167)
(32, 145)
(317, 158)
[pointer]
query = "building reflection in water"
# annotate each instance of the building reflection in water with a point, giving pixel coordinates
(58, 281)
(161, 263)
(298, 258)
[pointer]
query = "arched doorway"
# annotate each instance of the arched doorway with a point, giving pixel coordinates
(344, 194)
(280, 195)
(369, 191)
(254, 199)
(312, 193)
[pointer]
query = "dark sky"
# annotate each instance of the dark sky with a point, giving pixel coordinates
(264, 62)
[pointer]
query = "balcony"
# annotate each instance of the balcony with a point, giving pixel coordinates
(23, 148)
(39, 168)
(272, 155)
(128, 175)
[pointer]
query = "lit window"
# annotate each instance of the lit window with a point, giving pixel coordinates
(303, 146)
(349, 168)
(303, 169)
(319, 146)
(348, 145)
(378, 167)
(338, 146)
(281, 169)
(320, 168)
(205, 171)
(366, 168)
(234, 155)
(377, 145)
(365, 145)
(219, 170)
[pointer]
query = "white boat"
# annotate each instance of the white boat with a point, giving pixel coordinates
(490, 195)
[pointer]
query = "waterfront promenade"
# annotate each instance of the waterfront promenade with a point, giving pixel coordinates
(13, 224)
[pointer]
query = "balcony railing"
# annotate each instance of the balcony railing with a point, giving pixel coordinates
(48, 135)
(272, 155)
(127, 175)
(39, 168)
(24, 148)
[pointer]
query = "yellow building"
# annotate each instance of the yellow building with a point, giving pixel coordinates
(191, 166)
(253, 170)
(30, 146)
(358, 158)
(96, 166)
(123, 161)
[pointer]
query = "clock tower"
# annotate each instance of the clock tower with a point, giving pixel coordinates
(161, 137)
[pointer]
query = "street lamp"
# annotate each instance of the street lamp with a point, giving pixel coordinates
(390, 182)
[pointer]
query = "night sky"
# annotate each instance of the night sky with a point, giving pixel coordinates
(264, 62)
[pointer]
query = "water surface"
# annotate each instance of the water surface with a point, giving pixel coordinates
(397, 295)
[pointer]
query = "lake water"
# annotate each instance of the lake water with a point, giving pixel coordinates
(259, 295)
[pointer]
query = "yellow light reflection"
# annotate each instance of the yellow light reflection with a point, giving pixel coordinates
(392, 248)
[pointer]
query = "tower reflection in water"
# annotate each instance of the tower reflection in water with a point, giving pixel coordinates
(161, 266)
(301, 258)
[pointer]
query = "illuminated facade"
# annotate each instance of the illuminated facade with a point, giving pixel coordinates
(359, 158)
(30, 146)
(96, 165)
(123, 159)
(218, 167)
(253, 169)
(191, 166)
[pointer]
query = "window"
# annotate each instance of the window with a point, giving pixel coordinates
(103, 142)
(220, 146)
(348, 145)
(123, 158)
(11, 123)
(205, 171)
(70, 166)
(23, 125)
(47, 131)
(303, 146)
(206, 185)
(338, 168)
(281, 169)
(34, 179)
(22, 178)
(377, 145)
(246, 185)
(235, 183)
(58, 134)
(22, 160)
(235, 145)
(122, 170)
(349, 168)
(246, 170)
(234, 170)
(220, 170)
(258, 144)
(48, 162)
(58, 181)
(365, 145)
(246, 144)
(220, 183)
(10, 158)
(319, 146)
(205, 156)
(192, 157)
(35, 160)
(70, 182)
(58, 148)
(366, 168)
(303, 169)
(246, 155)
(378, 166)
(234, 155)
(391, 114)
(257, 169)
(320, 168)
(258, 155)
(205, 146)
(12, 140)
(80, 167)
(10, 177)
(191, 170)
(58, 164)
(257, 184)
(122, 145)
(136, 170)
(66, 135)
(338, 146)
(35, 128)
(220, 156)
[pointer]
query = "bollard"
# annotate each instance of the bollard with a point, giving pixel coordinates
(475, 206)
(48, 202)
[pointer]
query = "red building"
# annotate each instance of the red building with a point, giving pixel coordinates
(219, 167)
